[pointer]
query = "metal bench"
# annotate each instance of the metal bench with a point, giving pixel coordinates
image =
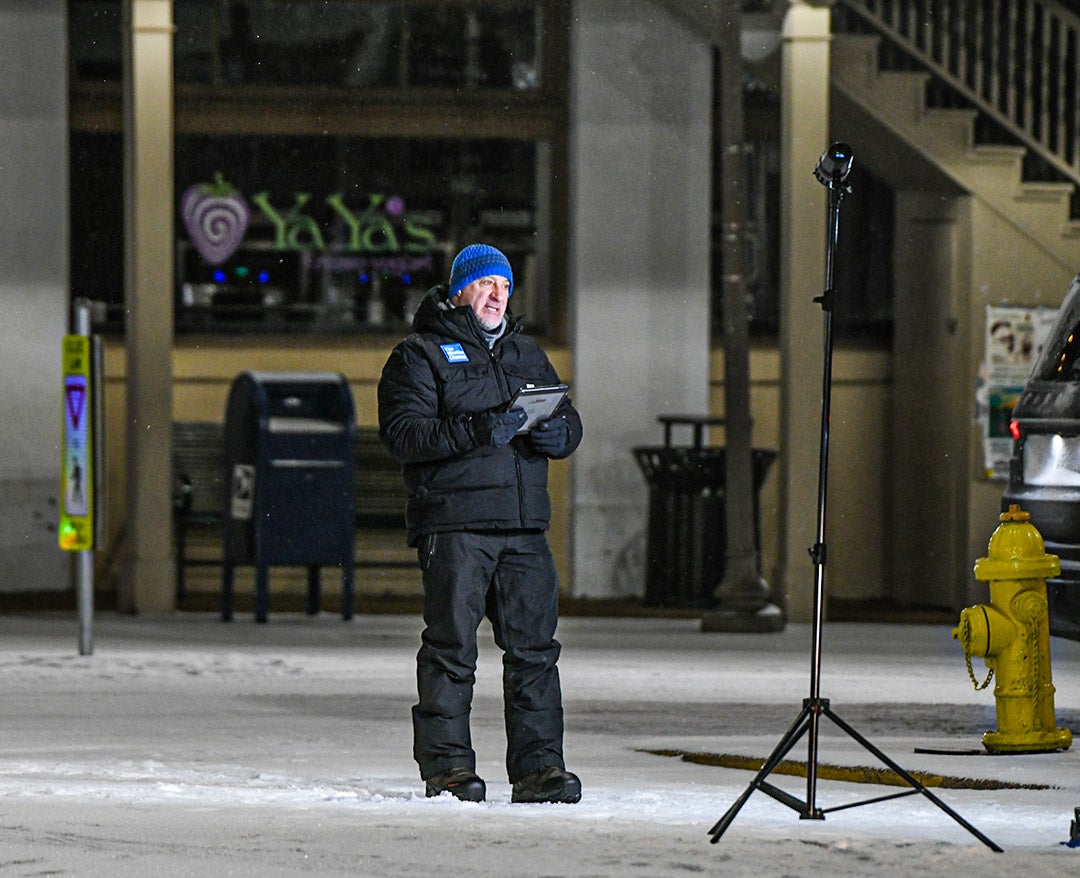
(200, 490)
(380, 494)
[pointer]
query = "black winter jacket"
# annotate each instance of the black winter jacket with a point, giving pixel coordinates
(434, 381)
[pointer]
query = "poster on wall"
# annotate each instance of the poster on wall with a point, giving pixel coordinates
(1014, 339)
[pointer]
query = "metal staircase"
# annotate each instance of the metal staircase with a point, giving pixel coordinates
(1013, 62)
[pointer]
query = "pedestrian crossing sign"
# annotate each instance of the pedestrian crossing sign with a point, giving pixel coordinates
(76, 530)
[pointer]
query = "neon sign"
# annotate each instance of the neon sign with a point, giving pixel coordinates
(217, 218)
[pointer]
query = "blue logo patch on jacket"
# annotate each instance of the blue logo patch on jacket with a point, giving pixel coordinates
(454, 353)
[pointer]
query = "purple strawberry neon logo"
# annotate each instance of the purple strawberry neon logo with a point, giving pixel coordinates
(216, 216)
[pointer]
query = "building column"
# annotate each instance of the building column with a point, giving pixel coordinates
(803, 202)
(33, 290)
(147, 583)
(640, 155)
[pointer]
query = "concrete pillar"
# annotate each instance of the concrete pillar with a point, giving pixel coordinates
(33, 289)
(932, 399)
(640, 145)
(148, 581)
(804, 129)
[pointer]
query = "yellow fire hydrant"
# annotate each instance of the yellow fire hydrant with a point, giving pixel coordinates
(1012, 633)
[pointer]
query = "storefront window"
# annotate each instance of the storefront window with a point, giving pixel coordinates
(337, 234)
(407, 44)
(94, 28)
(330, 157)
(97, 225)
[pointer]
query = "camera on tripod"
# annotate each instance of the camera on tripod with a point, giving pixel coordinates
(834, 165)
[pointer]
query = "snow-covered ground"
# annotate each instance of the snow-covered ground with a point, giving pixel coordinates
(184, 746)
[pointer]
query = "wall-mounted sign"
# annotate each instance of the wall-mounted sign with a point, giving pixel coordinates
(76, 531)
(218, 217)
(1014, 340)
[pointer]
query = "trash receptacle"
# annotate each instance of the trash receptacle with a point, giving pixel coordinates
(290, 469)
(686, 537)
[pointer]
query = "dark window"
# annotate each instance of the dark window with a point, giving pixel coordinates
(862, 274)
(471, 44)
(94, 26)
(353, 145)
(97, 223)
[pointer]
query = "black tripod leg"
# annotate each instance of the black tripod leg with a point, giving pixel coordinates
(789, 740)
(856, 736)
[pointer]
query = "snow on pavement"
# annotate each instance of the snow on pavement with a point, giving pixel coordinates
(184, 746)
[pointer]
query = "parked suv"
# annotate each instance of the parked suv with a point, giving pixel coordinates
(1044, 471)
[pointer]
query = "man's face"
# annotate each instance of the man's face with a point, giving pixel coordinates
(487, 297)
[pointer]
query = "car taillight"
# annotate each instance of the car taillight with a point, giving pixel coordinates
(1014, 428)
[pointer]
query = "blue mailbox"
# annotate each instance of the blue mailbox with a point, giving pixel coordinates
(290, 465)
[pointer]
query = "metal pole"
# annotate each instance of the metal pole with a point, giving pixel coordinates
(84, 579)
(742, 597)
(818, 552)
(84, 559)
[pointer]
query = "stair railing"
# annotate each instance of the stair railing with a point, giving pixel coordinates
(1017, 61)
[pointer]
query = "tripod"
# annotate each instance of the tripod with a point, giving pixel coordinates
(831, 171)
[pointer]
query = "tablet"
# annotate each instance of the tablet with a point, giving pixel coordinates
(539, 403)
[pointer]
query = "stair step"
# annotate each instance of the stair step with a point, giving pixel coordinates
(897, 100)
(1045, 193)
(1044, 200)
(898, 95)
(999, 152)
(952, 129)
(855, 57)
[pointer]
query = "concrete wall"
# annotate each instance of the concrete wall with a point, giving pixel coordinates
(858, 526)
(932, 399)
(33, 288)
(205, 370)
(640, 146)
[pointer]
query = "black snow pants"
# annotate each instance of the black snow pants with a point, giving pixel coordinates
(511, 579)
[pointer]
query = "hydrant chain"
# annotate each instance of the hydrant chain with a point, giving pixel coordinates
(971, 673)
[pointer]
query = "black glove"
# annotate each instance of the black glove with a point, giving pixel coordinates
(497, 428)
(550, 437)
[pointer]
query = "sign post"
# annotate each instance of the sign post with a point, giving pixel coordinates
(79, 501)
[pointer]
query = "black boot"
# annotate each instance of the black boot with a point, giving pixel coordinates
(459, 782)
(551, 784)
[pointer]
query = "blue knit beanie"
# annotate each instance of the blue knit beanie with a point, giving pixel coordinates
(477, 261)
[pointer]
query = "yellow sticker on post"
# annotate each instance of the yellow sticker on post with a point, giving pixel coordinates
(76, 530)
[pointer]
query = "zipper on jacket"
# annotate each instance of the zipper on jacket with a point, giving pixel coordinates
(499, 371)
(517, 457)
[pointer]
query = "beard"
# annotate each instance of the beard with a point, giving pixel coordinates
(490, 326)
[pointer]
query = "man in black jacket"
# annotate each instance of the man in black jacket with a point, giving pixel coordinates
(478, 509)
